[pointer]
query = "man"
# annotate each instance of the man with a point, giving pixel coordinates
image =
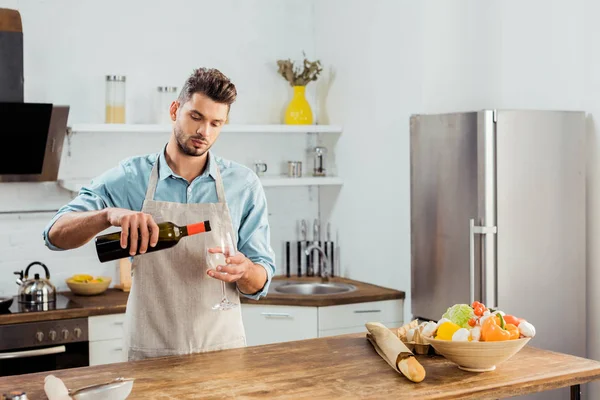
(169, 307)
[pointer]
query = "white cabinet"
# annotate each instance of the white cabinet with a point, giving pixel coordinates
(106, 339)
(351, 318)
(274, 324)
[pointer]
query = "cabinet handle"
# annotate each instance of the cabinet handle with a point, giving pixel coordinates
(119, 349)
(366, 311)
(119, 323)
(276, 315)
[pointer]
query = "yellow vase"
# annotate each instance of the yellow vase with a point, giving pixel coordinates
(298, 111)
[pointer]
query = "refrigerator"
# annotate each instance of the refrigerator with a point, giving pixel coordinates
(498, 215)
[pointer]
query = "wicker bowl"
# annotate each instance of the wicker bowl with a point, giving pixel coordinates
(89, 288)
(477, 356)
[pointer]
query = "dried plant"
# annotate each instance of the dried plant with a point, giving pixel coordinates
(299, 75)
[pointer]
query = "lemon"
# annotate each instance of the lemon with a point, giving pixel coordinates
(446, 330)
(82, 277)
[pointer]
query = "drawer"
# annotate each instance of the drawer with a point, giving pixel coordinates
(107, 352)
(358, 314)
(275, 324)
(105, 327)
(357, 329)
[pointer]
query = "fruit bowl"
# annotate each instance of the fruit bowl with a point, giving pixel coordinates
(477, 356)
(88, 286)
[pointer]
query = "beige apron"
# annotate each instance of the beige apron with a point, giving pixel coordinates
(169, 307)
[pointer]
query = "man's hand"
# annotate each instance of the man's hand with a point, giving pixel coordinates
(250, 277)
(135, 225)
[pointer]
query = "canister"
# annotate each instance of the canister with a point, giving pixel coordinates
(165, 95)
(115, 99)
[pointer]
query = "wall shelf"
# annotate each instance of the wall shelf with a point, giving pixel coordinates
(76, 184)
(156, 128)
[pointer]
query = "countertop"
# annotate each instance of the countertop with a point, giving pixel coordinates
(114, 301)
(343, 366)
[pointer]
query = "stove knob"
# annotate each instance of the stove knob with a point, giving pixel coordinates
(52, 335)
(39, 336)
(77, 332)
(65, 334)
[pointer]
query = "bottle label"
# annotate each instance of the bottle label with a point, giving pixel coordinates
(198, 228)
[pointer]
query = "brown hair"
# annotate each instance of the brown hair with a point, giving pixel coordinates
(211, 83)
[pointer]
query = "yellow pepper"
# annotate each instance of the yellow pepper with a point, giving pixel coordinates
(514, 331)
(492, 332)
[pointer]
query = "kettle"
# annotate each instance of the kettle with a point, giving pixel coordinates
(37, 290)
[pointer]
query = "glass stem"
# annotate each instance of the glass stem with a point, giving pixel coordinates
(223, 288)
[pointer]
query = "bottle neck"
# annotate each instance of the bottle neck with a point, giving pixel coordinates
(199, 227)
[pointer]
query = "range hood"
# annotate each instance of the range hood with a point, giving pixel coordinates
(32, 141)
(32, 133)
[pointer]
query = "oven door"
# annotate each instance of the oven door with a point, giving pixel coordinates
(42, 359)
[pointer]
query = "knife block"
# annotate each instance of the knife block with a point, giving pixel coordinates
(124, 275)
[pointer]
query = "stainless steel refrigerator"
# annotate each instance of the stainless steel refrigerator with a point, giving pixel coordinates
(498, 215)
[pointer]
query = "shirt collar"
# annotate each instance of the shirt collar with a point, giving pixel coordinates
(164, 171)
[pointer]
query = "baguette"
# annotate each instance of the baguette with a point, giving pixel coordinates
(396, 351)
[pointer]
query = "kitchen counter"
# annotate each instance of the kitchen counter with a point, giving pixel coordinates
(343, 366)
(114, 301)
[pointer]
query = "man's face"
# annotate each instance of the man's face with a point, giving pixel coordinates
(198, 123)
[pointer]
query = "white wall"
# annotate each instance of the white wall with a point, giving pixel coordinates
(70, 46)
(377, 58)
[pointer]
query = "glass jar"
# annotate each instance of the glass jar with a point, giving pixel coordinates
(115, 99)
(165, 95)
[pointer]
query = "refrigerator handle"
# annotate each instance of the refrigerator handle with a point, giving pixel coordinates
(482, 230)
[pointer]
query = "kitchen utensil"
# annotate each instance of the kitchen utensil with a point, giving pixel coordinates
(294, 169)
(302, 239)
(308, 266)
(124, 275)
(319, 157)
(287, 259)
(117, 389)
(329, 250)
(37, 290)
(477, 356)
(5, 303)
(260, 167)
(317, 241)
(11, 62)
(89, 288)
(15, 395)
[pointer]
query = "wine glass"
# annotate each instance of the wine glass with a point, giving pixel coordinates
(225, 246)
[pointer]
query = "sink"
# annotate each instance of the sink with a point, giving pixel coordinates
(315, 288)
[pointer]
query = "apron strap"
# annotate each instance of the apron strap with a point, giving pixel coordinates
(152, 182)
(219, 183)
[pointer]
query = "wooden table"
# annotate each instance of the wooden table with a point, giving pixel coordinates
(344, 366)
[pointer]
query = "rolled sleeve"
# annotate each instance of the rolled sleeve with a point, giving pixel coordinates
(254, 238)
(104, 191)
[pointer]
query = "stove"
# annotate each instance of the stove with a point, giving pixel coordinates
(62, 303)
(45, 345)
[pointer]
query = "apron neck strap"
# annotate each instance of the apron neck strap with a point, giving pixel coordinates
(154, 181)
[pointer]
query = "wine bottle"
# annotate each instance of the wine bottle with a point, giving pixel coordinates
(109, 248)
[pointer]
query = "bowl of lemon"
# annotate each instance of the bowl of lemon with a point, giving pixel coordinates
(88, 285)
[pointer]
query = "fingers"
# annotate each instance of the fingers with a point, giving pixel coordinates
(226, 277)
(154, 229)
(138, 229)
(238, 258)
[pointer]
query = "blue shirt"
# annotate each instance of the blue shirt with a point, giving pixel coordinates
(125, 186)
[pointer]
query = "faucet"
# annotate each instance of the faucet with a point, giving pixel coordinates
(325, 265)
